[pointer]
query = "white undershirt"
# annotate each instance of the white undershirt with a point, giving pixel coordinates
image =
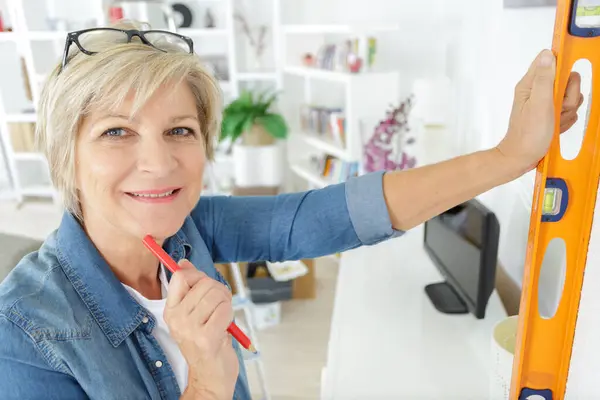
(161, 330)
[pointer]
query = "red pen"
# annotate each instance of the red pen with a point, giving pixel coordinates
(168, 262)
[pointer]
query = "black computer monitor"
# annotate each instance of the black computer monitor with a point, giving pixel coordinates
(463, 244)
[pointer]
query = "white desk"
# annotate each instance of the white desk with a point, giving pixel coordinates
(387, 341)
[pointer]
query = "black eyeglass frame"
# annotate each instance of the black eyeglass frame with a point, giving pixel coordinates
(73, 38)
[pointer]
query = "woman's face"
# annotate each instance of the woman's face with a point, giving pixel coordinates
(141, 175)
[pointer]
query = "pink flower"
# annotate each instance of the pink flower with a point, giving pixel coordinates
(383, 151)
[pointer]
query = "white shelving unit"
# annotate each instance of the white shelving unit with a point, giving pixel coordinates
(356, 106)
(33, 165)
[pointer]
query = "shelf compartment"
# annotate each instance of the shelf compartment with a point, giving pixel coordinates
(303, 170)
(325, 144)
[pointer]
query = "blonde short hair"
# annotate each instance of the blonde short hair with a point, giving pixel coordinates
(103, 81)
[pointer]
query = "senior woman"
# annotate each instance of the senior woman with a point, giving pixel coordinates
(127, 121)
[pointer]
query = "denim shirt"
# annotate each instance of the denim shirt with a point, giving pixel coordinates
(70, 330)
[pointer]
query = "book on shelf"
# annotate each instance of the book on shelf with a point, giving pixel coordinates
(333, 169)
(349, 55)
(325, 122)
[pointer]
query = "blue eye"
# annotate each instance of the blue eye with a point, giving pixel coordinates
(114, 132)
(181, 131)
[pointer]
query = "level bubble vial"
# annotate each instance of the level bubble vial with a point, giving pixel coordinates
(552, 197)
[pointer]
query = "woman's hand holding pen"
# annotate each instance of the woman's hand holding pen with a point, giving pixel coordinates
(198, 312)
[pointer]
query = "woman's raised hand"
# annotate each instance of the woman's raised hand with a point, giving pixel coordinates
(198, 312)
(531, 125)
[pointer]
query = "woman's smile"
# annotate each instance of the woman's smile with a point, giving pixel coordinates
(155, 196)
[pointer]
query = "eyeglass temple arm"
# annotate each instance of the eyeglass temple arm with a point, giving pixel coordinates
(68, 44)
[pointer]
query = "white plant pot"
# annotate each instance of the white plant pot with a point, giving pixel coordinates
(258, 165)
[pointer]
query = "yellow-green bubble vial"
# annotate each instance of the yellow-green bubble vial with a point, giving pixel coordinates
(552, 197)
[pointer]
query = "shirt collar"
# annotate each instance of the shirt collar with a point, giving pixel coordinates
(113, 308)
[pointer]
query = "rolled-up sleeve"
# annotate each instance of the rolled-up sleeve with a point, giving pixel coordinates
(368, 210)
(292, 226)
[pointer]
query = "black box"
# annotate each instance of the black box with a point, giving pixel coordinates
(265, 289)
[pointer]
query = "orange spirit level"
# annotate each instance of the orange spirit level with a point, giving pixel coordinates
(563, 205)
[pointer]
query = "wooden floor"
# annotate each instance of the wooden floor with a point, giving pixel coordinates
(294, 352)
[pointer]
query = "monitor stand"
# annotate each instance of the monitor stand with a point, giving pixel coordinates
(445, 299)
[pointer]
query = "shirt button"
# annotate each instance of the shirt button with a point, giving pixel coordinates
(145, 320)
(158, 364)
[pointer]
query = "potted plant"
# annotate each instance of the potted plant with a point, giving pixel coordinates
(254, 131)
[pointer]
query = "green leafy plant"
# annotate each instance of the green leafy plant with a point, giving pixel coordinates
(251, 109)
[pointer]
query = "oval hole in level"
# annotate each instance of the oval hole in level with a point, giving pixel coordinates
(571, 140)
(552, 278)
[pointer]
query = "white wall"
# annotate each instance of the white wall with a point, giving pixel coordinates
(517, 37)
